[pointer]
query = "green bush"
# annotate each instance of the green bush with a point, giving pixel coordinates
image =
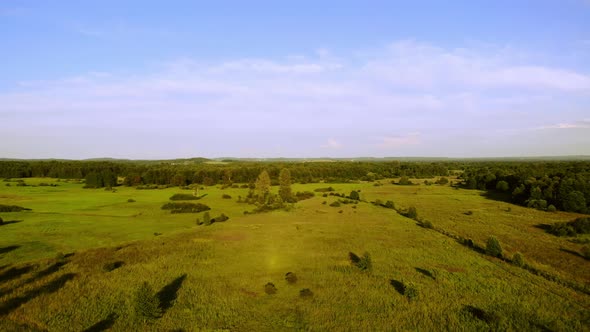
(493, 247)
(291, 277)
(335, 204)
(226, 196)
(412, 213)
(12, 208)
(323, 190)
(572, 228)
(146, 303)
(518, 259)
(184, 197)
(354, 195)
(131, 200)
(363, 263)
(411, 291)
(185, 207)
(305, 292)
(551, 208)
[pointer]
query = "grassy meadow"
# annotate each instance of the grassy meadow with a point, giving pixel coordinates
(53, 276)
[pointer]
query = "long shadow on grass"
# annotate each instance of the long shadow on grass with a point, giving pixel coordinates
(104, 324)
(575, 253)
(168, 293)
(8, 222)
(426, 273)
(4, 250)
(398, 286)
(15, 272)
(41, 274)
(52, 287)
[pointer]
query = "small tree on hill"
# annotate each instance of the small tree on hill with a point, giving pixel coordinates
(412, 213)
(285, 185)
(263, 186)
(493, 247)
(147, 304)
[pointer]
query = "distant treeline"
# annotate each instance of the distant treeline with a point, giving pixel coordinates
(547, 185)
(541, 185)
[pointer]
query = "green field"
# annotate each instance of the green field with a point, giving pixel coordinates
(214, 277)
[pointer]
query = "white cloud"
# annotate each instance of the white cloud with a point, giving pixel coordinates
(584, 124)
(332, 144)
(390, 142)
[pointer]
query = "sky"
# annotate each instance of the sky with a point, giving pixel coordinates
(179, 79)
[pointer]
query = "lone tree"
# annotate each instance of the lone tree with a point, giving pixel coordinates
(285, 185)
(354, 195)
(493, 247)
(147, 304)
(263, 186)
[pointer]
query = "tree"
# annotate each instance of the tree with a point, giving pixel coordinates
(574, 202)
(263, 186)
(285, 185)
(493, 247)
(354, 195)
(147, 304)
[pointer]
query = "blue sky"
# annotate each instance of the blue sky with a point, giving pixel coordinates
(128, 79)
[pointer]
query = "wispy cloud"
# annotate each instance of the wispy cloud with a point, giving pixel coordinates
(408, 87)
(585, 124)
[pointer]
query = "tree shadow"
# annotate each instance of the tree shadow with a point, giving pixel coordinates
(575, 253)
(104, 324)
(398, 286)
(49, 288)
(354, 258)
(485, 316)
(41, 274)
(497, 196)
(426, 273)
(4, 250)
(8, 222)
(15, 272)
(168, 293)
(545, 227)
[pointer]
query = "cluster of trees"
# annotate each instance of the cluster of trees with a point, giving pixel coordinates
(136, 173)
(542, 185)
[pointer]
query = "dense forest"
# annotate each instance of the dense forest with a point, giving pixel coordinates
(547, 185)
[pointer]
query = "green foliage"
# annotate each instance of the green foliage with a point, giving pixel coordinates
(575, 202)
(206, 218)
(262, 186)
(518, 259)
(354, 195)
(305, 292)
(184, 197)
(364, 263)
(302, 195)
(185, 207)
(226, 196)
(322, 190)
(405, 181)
(146, 303)
(335, 204)
(502, 186)
(551, 208)
(442, 181)
(389, 205)
(493, 247)
(285, 185)
(411, 291)
(412, 213)
(131, 200)
(426, 224)
(571, 228)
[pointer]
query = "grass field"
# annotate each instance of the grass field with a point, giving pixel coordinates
(213, 277)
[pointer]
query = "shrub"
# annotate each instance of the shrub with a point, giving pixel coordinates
(411, 291)
(323, 190)
(206, 219)
(335, 204)
(363, 263)
(468, 213)
(551, 208)
(221, 218)
(442, 181)
(146, 303)
(426, 224)
(291, 277)
(389, 205)
(270, 288)
(493, 247)
(518, 259)
(355, 195)
(131, 200)
(412, 213)
(299, 196)
(305, 292)
(226, 196)
(572, 228)
(404, 181)
(185, 207)
(183, 197)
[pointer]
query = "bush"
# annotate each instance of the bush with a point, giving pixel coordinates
(323, 190)
(389, 205)
(412, 213)
(270, 288)
(299, 196)
(184, 197)
(493, 247)
(572, 228)
(404, 181)
(518, 259)
(305, 292)
(185, 207)
(206, 219)
(426, 224)
(226, 196)
(291, 277)
(131, 200)
(551, 208)
(146, 303)
(363, 263)
(335, 204)
(355, 195)
(411, 291)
